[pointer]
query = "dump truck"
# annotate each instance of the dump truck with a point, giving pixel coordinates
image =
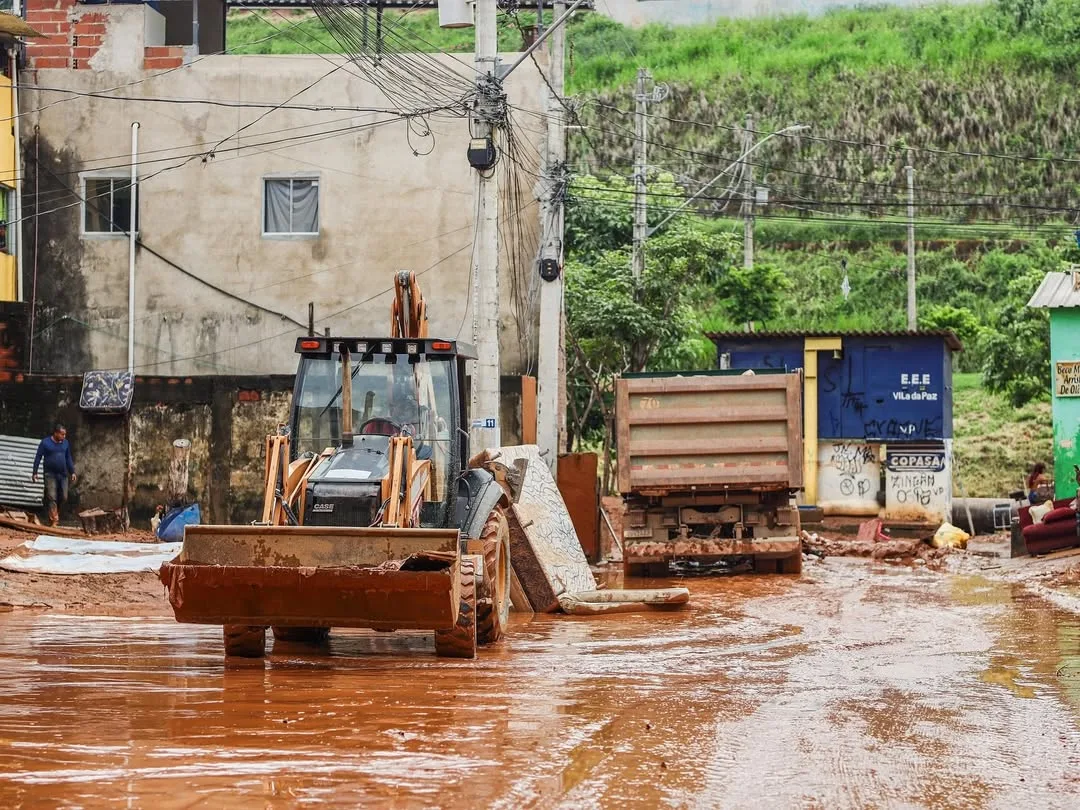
(709, 464)
(372, 516)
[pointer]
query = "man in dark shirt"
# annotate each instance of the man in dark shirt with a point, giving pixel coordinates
(59, 469)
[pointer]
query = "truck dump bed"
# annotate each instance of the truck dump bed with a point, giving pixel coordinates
(707, 463)
(709, 431)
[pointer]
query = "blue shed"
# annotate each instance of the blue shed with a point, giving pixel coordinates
(879, 397)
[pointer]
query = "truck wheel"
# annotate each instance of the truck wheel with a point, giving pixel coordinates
(244, 641)
(460, 640)
(306, 635)
(493, 602)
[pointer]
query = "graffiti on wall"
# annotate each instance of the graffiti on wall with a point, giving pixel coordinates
(849, 478)
(917, 484)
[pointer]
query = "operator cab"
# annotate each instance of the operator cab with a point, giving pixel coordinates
(399, 386)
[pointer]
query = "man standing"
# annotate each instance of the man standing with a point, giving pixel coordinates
(59, 469)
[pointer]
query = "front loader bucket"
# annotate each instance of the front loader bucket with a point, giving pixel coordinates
(316, 577)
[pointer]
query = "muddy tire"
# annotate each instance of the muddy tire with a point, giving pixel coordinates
(244, 641)
(460, 640)
(493, 600)
(304, 635)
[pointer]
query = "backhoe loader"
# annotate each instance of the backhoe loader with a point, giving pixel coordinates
(372, 516)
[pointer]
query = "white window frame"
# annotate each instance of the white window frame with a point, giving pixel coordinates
(305, 176)
(108, 175)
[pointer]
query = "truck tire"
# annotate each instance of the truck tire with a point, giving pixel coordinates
(493, 601)
(244, 641)
(460, 640)
(306, 635)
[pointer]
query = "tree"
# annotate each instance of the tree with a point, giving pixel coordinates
(964, 323)
(754, 293)
(1017, 352)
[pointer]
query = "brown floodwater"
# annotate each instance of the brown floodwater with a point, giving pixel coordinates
(852, 688)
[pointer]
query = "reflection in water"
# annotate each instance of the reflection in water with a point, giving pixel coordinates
(850, 688)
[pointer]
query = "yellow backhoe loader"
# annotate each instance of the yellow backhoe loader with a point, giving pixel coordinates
(372, 516)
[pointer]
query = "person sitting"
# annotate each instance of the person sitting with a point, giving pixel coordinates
(1035, 478)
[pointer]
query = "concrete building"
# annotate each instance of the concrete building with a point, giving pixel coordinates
(246, 212)
(1060, 294)
(877, 416)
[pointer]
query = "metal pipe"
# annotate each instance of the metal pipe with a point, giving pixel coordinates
(132, 224)
(195, 24)
(540, 39)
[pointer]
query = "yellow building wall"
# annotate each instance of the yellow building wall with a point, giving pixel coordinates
(9, 285)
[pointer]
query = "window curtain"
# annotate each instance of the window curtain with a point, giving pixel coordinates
(277, 206)
(305, 202)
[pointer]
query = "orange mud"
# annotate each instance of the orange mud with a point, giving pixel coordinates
(853, 687)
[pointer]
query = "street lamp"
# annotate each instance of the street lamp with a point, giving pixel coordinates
(739, 160)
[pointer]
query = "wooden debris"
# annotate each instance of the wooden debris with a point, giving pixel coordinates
(102, 521)
(518, 600)
(36, 528)
(588, 603)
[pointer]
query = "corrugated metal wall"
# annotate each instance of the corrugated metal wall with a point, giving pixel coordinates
(16, 467)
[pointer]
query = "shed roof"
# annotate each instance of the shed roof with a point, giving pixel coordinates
(950, 338)
(14, 26)
(1058, 289)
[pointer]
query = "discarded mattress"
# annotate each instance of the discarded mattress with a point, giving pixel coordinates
(544, 547)
(62, 555)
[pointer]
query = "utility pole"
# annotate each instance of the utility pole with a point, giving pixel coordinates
(490, 103)
(551, 371)
(642, 98)
(641, 167)
(748, 194)
(912, 317)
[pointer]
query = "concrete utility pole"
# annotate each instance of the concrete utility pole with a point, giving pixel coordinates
(748, 194)
(484, 429)
(641, 167)
(551, 372)
(912, 317)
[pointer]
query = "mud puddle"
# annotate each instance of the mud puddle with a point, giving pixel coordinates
(850, 688)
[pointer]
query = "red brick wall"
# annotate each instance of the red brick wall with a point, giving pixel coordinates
(73, 35)
(164, 57)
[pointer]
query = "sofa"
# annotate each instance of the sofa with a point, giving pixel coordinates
(1058, 530)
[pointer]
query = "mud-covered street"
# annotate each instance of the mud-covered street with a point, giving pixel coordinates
(854, 687)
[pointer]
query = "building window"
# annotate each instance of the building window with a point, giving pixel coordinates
(8, 229)
(107, 205)
(290, 206)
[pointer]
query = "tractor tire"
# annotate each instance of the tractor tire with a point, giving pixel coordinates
(493, 601)
(305, 635)
(460, 640)
(244, 641)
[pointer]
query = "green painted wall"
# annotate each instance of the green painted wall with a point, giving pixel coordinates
(1065, 347)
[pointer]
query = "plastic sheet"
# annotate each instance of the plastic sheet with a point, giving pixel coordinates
(61, 555)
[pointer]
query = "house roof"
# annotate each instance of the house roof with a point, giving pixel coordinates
(1058, 289)
(950, 338)
(14, 26)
